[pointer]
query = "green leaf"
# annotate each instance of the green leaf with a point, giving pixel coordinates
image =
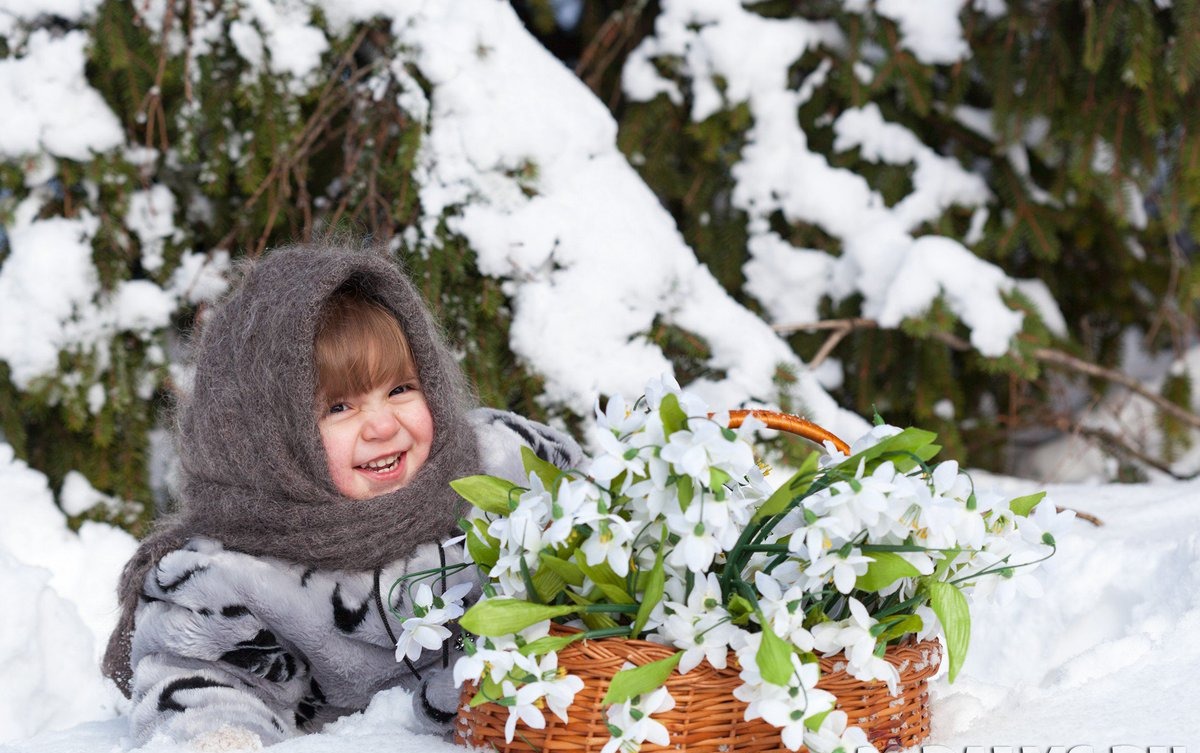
(603, 576)
(943, 566)
(488, 493)
(549, 473)
(1024, 505)
(594, 620)
(632, 682)
(568, 571)
(774, 657)
(686, 491)
(717, 478)
(740, 609)
(814, 722)
(548, 584)
(484, 549)
(673, 417)
(548, 643)
(496, 617)
(793, 488)
(614, 594)
(489, 691)
(887, 568)
(911, 440)
(653, 592)
(909, 623)
(951, 608)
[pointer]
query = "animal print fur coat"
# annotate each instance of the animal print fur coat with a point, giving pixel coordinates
(224, 639)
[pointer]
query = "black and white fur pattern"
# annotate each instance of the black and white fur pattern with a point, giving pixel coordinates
(227, 639)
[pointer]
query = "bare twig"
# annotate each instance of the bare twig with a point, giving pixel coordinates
(1120, 445)
(328, 105)
(1083, 515)
(607, 43)
(1067, 361)
(853, 323)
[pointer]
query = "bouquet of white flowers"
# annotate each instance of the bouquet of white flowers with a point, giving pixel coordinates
(672, 535)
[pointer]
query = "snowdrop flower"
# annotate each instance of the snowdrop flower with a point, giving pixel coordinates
(616, 457)
(536, 501)
(701, 627)
(853, 635)
(632, 720)
(499, 656)
(784, 707)
(704, 446)
(873, 437)
(574, 502)
(520, 537)
(608, 543)
(845, 568)
(1006, 553)
(782, 611)
(619, 418)
(496, 663)
(426, 629)
(555, 687)
(834, 734)
(1045, 524)
(698, 543)
(652, 495)
(657, 389)
(526, 711)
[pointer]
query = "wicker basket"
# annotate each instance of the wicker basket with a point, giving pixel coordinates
(707, 718)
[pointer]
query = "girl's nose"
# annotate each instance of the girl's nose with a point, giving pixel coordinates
(380, 424)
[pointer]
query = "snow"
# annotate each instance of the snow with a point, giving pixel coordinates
(1104, 658)
(59, 591)
(151, 218)
(49, 105)
(38, 319)
(51, 301)
(928, 28)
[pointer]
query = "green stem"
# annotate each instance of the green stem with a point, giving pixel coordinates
(616, 608)
(1002, 568)
(613, 632)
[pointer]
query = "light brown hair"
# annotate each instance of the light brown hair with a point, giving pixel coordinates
(359, 345)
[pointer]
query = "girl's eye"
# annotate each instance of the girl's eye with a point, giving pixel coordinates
(400, 389)
(337, 407)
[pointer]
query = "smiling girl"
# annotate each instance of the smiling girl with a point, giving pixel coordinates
(326, 421)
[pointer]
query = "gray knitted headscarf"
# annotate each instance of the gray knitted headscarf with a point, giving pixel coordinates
(254, 470)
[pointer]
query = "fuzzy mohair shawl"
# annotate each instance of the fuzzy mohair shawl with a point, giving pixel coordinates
(254, 474)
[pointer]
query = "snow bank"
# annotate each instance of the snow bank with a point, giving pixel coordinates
(1107, 656)
(59, 606)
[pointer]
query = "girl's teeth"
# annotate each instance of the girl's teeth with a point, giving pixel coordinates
(384, 463)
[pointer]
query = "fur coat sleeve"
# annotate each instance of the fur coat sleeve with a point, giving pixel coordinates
(230, 643)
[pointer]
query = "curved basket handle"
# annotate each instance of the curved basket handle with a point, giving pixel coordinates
(792, 424)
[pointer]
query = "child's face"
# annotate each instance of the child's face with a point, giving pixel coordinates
(377, 441)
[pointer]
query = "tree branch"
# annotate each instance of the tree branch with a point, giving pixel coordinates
(1067, 361)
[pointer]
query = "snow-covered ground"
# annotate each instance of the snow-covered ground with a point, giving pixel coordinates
(1105, 658)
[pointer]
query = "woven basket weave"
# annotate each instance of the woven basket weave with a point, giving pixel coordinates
(707, 718)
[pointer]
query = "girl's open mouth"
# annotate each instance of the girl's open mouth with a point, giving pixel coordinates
(381, 466)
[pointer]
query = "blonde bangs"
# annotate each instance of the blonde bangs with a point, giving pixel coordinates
(359, 346)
